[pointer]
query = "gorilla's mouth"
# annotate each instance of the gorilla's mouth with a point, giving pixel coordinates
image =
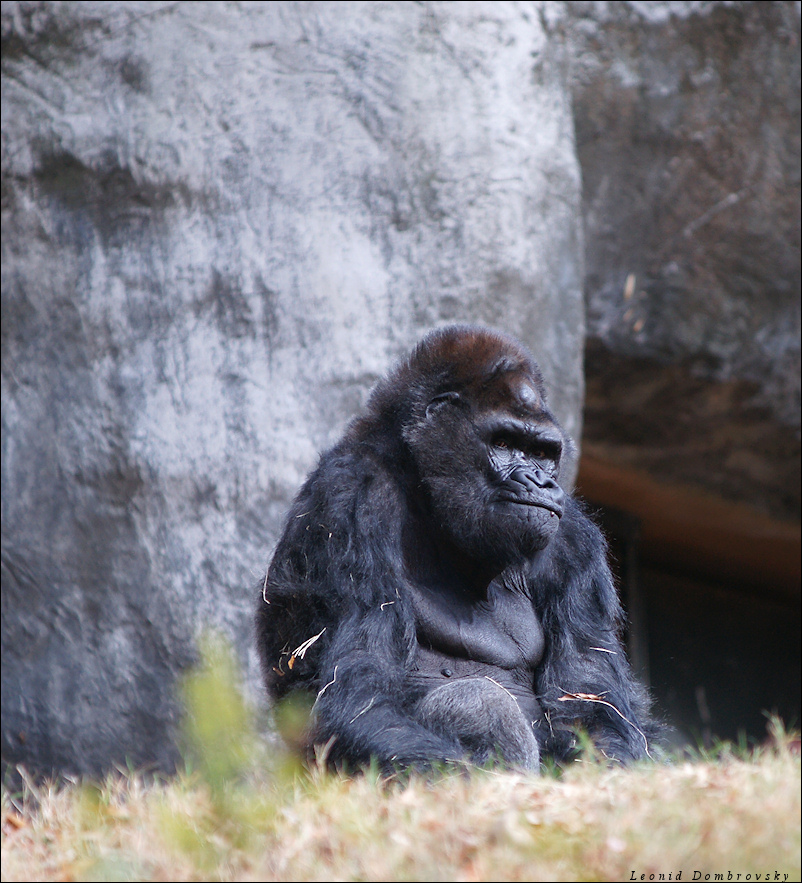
(535, 504)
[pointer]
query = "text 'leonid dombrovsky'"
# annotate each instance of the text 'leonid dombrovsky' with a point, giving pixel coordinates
(724, 876)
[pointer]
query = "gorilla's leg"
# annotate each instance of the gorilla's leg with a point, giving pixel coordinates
(485, 718)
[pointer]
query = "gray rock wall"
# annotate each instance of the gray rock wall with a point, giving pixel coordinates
(221, 223)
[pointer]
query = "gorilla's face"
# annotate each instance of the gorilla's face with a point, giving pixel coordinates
(489, 459)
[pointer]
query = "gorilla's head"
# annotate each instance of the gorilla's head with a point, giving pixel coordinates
(470, 406)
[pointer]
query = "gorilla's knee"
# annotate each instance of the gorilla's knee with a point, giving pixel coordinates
(486, 719)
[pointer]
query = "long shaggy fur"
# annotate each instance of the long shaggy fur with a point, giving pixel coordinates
(340, 575)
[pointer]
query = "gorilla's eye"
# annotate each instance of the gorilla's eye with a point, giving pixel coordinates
(507, 446)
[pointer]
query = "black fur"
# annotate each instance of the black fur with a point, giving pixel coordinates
(452, 598)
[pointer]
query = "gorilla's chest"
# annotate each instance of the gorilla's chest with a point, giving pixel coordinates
(501, 630)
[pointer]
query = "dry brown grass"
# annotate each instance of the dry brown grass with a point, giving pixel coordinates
(248, 812)
(593, 823)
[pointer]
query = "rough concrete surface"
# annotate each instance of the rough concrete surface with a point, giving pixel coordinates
(221, 223)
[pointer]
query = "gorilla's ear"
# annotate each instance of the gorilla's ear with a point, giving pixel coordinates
(445, 398)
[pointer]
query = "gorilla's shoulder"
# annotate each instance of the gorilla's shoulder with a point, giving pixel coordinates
(579, 545)
(351, 478)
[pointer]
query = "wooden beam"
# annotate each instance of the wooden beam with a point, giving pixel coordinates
(692, 532)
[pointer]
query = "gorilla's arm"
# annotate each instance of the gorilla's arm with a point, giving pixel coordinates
(573, 591)
(336, 574)
(362, 708)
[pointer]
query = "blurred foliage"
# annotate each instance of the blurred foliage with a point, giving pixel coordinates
(218, 733)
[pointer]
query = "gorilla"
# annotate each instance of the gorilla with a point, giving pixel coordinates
(436, 592)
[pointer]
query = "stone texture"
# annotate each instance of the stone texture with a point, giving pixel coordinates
(221, 223)
(688, 134)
